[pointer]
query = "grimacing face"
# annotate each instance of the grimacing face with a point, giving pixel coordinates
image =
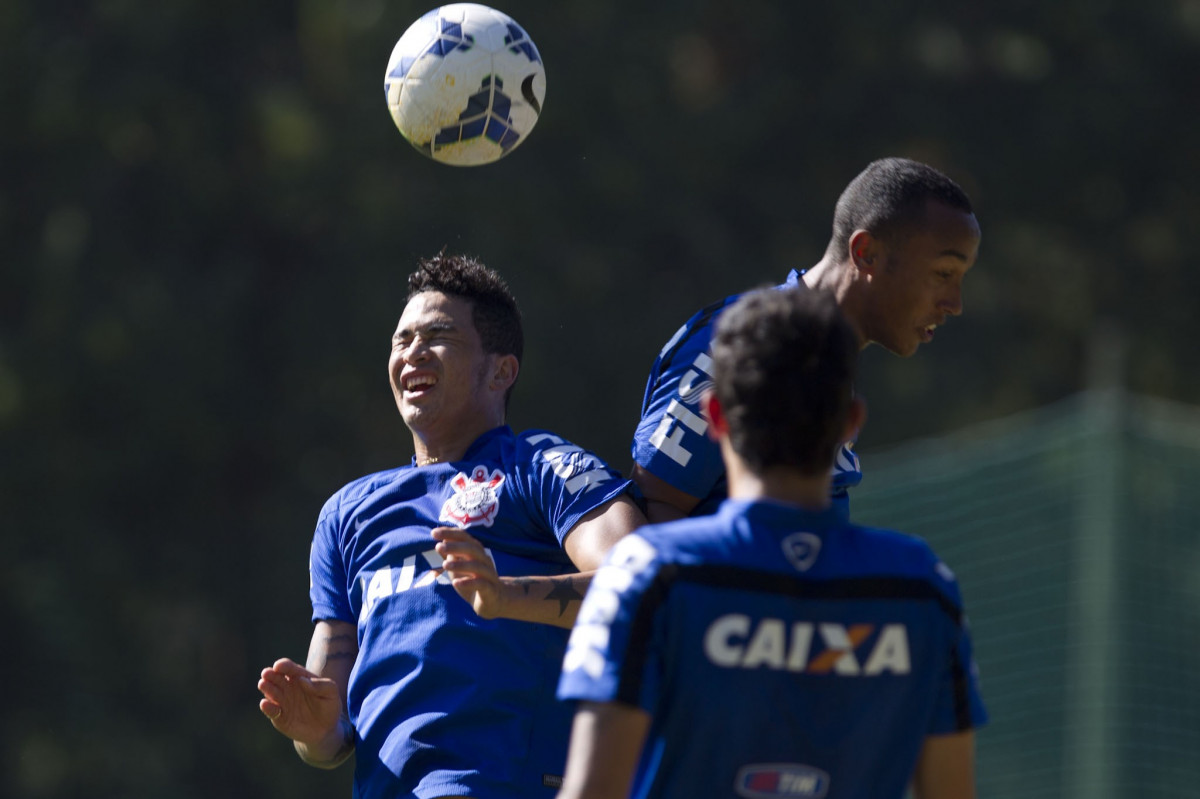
(438, 369)
(919, 284)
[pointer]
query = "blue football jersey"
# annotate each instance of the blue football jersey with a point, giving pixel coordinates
(780, 652)
(445, 703)
(671, 441)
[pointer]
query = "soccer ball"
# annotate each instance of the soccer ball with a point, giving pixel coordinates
(465, 84)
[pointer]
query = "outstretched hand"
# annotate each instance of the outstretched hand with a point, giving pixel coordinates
(471, 570)
(301, 705)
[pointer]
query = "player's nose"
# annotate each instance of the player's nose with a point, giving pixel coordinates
(417, 351)
(951, 303)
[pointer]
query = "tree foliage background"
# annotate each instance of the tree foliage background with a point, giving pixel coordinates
(207, 216)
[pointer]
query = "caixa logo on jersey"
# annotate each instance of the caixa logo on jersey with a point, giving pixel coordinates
(773, 780)
(476, 498)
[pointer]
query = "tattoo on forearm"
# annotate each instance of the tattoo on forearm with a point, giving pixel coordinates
(337, 647)
(566, 592)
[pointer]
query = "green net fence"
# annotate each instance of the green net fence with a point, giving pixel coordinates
(1073, 532)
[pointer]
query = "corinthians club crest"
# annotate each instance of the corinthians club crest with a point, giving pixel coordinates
(476, 498)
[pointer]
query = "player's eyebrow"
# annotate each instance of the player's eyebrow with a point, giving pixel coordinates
(424, 330)
(953, 253)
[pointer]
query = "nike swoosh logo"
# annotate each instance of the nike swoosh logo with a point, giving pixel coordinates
(527, 93)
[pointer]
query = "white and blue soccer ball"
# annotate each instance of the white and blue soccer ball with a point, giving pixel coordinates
(465, 84)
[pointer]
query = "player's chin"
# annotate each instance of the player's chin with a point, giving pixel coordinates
(414, 415)
(902, 348)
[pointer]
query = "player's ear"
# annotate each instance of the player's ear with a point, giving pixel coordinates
(865, 251)
(855, 419)
(714, 414)
(504, 372)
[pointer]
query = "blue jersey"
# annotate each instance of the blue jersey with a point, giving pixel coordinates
(780, 652)
(445, 703)
(671, 441)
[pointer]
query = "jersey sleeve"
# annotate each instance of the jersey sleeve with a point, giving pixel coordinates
(566, 482)
(959, 703)
(671, 440)
(611, 654)
(327, 582)
(847, 472)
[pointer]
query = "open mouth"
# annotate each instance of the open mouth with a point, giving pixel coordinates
(418, 383)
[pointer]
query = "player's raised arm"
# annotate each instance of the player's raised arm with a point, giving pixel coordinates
(308, 705)
(543, 599)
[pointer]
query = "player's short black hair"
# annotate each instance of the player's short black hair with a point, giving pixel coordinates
(889, 198)
(784, 363)
(494, 310)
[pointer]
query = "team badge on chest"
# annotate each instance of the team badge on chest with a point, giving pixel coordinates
(476, 498)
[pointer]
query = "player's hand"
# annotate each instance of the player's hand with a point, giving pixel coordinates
(470, 569)
(301, 705)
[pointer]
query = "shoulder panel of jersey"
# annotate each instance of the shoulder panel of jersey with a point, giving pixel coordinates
(328, 580)
(567, 480)
(671, 440)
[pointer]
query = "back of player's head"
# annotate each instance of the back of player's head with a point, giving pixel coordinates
(889, 199)
(494, 310)
(784, 362)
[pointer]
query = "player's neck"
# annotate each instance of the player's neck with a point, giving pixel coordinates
(837, 277)
(431, 447)
(830, 275)
(780, 484)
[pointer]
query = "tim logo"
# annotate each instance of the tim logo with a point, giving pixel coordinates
(772, 780)
(476, 499)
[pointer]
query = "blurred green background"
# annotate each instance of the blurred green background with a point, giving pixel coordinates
(207, 216)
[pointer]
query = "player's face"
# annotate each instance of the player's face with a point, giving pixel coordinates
(438, 369)
(919, 283)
